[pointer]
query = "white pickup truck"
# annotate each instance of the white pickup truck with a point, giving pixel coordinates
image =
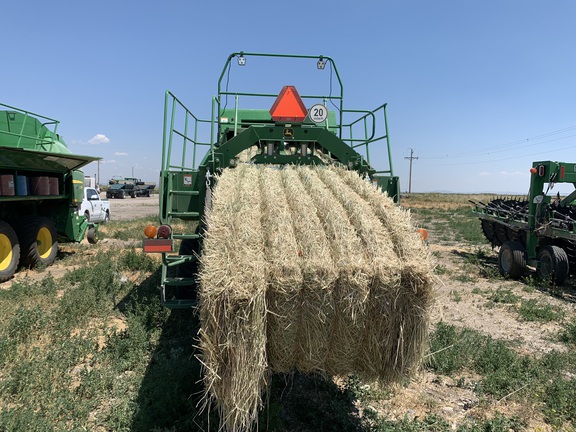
(93, 207)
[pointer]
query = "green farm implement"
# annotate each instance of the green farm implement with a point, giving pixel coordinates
(41, 188)
(538, 232)
(293, 128)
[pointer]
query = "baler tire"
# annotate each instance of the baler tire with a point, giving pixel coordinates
(512, 260)
(9, 251)
(92, 236)
(38, 241)
(553, 264)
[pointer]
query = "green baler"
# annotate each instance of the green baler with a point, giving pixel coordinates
(297, 129)
(41, 188)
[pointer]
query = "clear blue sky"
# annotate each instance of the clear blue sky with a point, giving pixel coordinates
(479, 89)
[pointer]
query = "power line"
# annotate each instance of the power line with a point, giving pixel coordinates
(514, 145)
(506, 158)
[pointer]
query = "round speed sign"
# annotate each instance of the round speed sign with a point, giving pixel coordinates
(318, 113)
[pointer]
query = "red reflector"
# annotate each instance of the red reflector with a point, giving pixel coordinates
(288, 106)
(562, 172)
(157, 245)
(541, 170)
(164, 231)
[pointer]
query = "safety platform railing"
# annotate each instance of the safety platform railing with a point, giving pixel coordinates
(181, 123)
(366, 130)
(43, 135)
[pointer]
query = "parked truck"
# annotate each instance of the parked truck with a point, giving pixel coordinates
(41, 189)
(94, 208)
(120, 187)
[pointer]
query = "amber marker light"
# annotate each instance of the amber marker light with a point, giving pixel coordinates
(423, 233)
(533, 170)
(150, 231)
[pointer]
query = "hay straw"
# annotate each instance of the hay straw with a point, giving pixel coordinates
(315, 315)
(232, 305)
(414, 296)
(284, 275)
(351, 288)
(310, 269)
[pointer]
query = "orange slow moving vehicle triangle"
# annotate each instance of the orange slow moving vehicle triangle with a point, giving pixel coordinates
(288, 106)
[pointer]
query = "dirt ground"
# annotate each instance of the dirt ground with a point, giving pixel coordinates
(458, 303)
(132, 208)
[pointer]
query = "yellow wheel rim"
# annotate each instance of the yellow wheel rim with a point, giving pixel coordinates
(5, 252)
(44, 242)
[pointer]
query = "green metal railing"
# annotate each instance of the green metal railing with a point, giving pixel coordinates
(369, 128)
(337, 98)
(28, 118)
(173, 107)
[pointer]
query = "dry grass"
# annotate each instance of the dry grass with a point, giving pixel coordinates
(310, 269)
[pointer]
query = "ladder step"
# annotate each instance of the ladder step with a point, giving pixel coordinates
(186, 236)
(174, 260)
(178, 281)
(185, 192)
(185, 214)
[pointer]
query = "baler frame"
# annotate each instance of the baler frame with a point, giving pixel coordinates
(185, 185)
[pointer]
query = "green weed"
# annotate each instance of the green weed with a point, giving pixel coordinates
(465, 278)
(456, 296)
(533, 310)
(568, 333)
(506, 373)
(441, 270)
(504, 295)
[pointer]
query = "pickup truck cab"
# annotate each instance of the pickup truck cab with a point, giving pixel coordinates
(93, 207)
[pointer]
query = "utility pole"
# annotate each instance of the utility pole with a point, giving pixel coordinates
(411, 157)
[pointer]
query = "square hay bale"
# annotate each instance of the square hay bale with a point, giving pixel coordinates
(307, 268)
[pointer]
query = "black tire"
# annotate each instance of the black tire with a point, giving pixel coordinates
(132, 195)
(512, 260)
(9, 251)
(87, 215)
(38, 241)
(92, 236)
(553, 264)
(108, 195)
(121, 194)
